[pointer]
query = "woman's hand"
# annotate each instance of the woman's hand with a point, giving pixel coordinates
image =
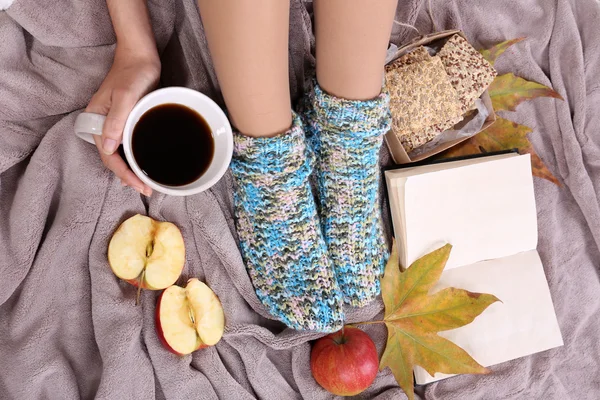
(129, 79)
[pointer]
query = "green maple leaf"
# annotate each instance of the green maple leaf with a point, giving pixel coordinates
(508, 91)
(496, 51)
(414, 317)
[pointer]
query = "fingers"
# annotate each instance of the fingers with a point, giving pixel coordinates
(116, 104)
(115, 163)
(122, 101)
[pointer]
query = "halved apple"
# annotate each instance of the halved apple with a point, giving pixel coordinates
(190, 318)
(147, 253)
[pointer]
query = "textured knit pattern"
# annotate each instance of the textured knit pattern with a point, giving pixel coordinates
(346, 136)
(280, 237)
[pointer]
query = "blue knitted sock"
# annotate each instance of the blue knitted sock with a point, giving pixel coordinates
(278, 227)
(346, 136)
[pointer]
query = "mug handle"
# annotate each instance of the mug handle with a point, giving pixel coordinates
(89, 124)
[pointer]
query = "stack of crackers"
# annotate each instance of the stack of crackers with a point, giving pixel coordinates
(430, 94)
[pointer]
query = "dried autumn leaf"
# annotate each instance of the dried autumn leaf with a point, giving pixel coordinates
(508, 91)
(539, 168)
(502, 135)
(496, 51)
(414, 317)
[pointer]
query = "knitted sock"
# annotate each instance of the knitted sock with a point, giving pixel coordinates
(278, 227)
(346, 136)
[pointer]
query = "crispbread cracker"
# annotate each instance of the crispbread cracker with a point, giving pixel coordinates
(470, 73)
(417, 55)
(421, 97)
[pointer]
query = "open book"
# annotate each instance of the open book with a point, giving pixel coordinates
(485, 208)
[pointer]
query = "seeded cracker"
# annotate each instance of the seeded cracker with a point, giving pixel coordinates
(417, 55)
(470, 74)
(421, 96)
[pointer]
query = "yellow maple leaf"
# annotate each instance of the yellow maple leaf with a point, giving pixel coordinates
(414, 317)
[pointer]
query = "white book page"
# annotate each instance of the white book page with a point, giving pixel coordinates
(395, 187)
(485, 210)
(524, 323)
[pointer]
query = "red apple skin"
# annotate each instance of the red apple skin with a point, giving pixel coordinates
(136, 283)
(344, 364)
(159, 330)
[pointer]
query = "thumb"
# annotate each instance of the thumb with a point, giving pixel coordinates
(112, 133)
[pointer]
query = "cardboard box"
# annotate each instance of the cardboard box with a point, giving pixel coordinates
(393, 142)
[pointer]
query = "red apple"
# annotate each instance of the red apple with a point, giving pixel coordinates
(345, 362)
(147, 253)
(190, 318)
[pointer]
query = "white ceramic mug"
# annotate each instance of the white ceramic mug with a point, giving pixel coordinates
(89, 124)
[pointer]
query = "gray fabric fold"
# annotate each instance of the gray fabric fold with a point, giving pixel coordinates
(70, 329)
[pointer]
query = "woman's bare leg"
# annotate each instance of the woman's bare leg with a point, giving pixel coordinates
(276, 217)
(352, 38)
(248, 44)
(347, 120)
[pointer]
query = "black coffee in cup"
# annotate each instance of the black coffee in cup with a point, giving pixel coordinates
(172, 144)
